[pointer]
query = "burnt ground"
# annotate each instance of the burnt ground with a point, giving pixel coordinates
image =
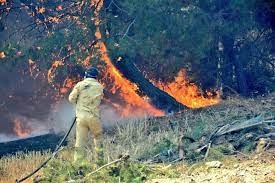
(38, 143)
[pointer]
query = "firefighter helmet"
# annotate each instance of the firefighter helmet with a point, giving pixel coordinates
(91, 72)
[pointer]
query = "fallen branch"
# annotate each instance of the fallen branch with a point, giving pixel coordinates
(207, 151)
(237, 127)
(269, 135)
(251, 123)
(128, 28)
(152, 159)
(180, 148)
(201, 148)
(267, 146)
(190, 168)
(177, 160)
(241, 154)
(122, 158)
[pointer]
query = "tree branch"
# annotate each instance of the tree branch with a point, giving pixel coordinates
(128, 28)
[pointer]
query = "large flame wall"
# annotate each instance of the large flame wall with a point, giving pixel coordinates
(124, 98)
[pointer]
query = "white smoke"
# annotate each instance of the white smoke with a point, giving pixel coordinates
(61, 117)
(109, 116)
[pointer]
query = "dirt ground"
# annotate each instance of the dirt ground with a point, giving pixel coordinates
(259, 168)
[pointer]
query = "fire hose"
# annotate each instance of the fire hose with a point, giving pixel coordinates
(53, 155)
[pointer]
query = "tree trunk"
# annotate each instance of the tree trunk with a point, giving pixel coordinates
(158, 97)
(232, 57)
(240, 73)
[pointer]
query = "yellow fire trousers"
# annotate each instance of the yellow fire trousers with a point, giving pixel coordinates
(84, 125)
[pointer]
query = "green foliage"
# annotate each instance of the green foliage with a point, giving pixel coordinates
(61, 171)
(198, 129)
(219, 151)
(163, 147)
(66, 43)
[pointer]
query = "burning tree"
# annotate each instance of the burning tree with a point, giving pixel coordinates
(153, 56)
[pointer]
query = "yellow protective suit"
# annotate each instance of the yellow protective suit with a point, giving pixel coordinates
(86, 96)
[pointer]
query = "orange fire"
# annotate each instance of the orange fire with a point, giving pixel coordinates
(188, 93)
(133, 104)
(136, 105)
(19, 129)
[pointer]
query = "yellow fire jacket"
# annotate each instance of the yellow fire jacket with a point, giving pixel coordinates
(87, 95)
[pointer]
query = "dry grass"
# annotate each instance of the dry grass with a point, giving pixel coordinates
(131, 138)
(12, 167)
(137, 137)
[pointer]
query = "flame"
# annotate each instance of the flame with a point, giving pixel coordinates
(132, 103)
(125, 89)
(135, 104)
(188, 93)
(19, 129)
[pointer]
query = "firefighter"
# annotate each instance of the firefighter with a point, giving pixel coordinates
(86, 96)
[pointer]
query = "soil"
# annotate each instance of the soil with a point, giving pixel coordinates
(258, 168)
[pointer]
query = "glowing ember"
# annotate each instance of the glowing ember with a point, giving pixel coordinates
(41, 10)
(135, 104)
(2, 2)
(86, 61)
(59, 8)
(19, 129)
(54, 20)
(33, 67)
(188, 93)
(67, 85)
(51, 71)
(2, 55)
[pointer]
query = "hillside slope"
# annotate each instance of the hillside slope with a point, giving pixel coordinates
(159, 153)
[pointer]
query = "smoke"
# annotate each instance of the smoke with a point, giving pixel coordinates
(61, 117)
(109, 116)
(58, 120)
(6, 138)
(22, 127)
